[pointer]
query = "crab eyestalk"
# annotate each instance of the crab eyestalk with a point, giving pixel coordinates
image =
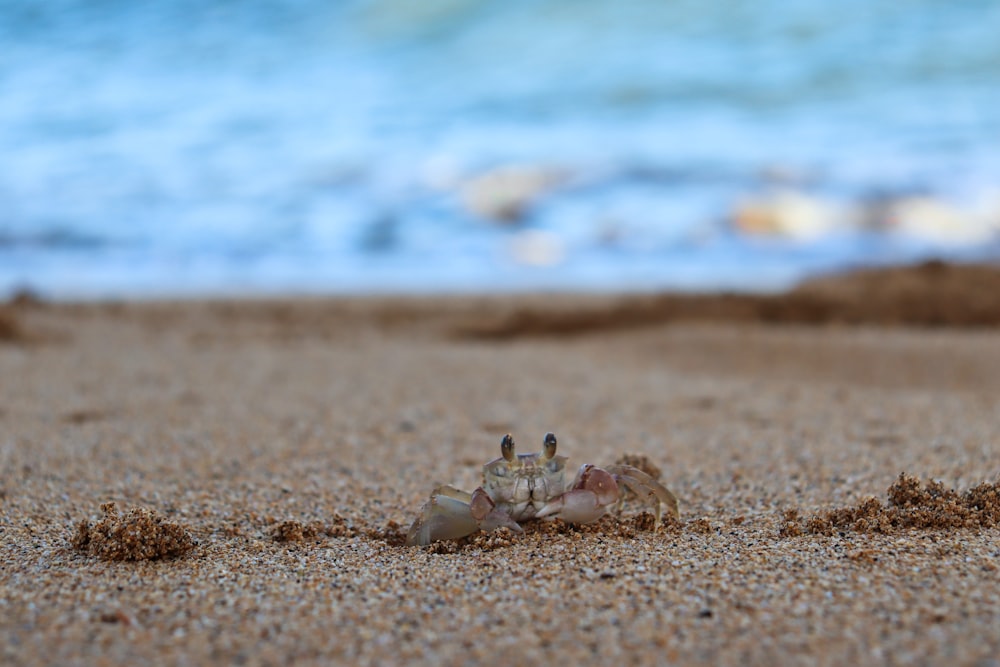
(548, 447)
(507, 447)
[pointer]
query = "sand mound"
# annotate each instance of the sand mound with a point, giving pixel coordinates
(912, 504)
(10, 328)
(931, 294)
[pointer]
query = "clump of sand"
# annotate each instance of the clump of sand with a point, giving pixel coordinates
(291, 530)
(912, 504)
(138, 534)
(295, 531)
(392, 534)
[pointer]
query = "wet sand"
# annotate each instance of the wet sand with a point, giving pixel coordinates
(294, 441)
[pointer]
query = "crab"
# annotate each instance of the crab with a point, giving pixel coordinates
(521, 487)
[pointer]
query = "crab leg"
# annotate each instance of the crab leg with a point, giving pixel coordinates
(644, 486)
(452, 513)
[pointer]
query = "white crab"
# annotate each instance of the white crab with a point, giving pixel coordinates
(518, 487)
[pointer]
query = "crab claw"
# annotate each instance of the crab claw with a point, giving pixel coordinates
(593, 491)
(487, 516)
(451, 514)
(596, 489)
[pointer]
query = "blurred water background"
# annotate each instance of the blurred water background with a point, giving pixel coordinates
(223, 147)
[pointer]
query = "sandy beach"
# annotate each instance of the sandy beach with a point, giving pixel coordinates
(290, 443)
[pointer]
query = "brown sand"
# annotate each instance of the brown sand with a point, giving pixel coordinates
(293, 442)
(10, 330)
(932, 294)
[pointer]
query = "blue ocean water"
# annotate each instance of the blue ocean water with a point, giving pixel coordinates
(265, 146)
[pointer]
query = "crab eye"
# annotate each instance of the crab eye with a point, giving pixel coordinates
(549, 446)
(507, 447)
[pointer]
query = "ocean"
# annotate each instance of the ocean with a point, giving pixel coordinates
(208, 148)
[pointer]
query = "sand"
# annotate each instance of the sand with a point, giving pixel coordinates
(294, 441)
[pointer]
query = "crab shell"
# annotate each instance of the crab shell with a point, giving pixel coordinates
(522, 484)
